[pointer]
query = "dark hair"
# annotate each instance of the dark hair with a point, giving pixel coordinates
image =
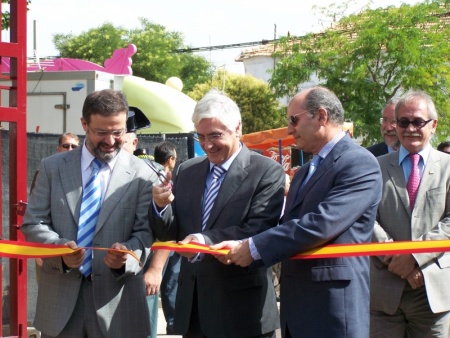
(320, 97)
(164, 151)
(105, 102)
(443, 145)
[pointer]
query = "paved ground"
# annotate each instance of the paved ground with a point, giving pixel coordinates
(162, 326)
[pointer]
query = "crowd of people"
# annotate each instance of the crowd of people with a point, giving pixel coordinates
(100, 195)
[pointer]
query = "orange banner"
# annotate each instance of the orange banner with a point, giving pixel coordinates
(332, 250)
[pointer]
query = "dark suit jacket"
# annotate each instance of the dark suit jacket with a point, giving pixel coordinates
(378, 149)
(232, 301)
(326, 297)
(52, 217)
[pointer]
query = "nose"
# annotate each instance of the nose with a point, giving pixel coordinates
(290, 129)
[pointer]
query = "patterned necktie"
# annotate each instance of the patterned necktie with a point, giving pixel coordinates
(90, 208)
(211, 194)
(414, 180)
(312, 168)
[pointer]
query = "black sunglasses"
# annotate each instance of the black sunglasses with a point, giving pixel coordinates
(293, 118)
(418, 123)
(68, 145)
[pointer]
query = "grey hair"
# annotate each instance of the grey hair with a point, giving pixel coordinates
(321, 97)
(391, 101)
(219, 106)
(417, 95)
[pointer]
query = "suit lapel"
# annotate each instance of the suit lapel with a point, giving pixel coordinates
(232, 182)
(396, 175)
(70, 173)
(430, 171)
(121, 177)
(198, 175)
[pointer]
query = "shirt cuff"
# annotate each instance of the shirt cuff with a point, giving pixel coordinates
(253, 251)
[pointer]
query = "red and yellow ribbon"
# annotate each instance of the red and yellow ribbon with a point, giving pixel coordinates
(332, 250)
(15, 249)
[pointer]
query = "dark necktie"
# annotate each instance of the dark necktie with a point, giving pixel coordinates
(211, 194)
(89, 211)
(414, 180)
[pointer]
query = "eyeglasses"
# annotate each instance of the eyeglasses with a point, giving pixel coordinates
(214, 137)
(103, 133)
(385, 120)
(293, 119)
(417, 123)
(68, 145)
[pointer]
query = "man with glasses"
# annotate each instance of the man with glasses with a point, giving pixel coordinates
(387, 127)
(331, 200)
(410, 296)
(67, 141)
(95, 196)
(231, 192)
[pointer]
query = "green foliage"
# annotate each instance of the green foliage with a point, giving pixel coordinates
(154, 59)
(372, 56)
(6, 15)
(259, 108)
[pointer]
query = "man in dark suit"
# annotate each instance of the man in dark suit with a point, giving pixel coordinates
(388, 131)
(93, 293)
(336, 204)
(215, 300)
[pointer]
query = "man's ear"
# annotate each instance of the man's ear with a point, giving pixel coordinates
(322, 115)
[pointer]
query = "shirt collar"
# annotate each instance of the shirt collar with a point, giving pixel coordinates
(227, 164)
(403, 153)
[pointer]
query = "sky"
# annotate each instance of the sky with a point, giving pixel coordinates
(203, 23)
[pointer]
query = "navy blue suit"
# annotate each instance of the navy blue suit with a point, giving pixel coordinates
(326, 297)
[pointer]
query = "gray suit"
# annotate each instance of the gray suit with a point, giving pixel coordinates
(232, 301)
(396, 222)
(52, 217)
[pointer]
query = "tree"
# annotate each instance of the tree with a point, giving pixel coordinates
(259, 108)
(154, 60)
(369, 57)
(6, 15)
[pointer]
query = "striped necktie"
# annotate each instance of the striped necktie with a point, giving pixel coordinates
(89, 211)
(211, 194)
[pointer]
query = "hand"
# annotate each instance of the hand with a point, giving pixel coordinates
(401, 265)
(115, 259)
(240, 255)
(415, 278)
(75, 259)
(188, 239)
(224, 245)
(152, 281)
(162, 193)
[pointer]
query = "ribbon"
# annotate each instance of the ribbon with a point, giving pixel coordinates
(331, 250)
(14, 249)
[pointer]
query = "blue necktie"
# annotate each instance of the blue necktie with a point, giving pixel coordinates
(90, 208)
(312, 168)
(211, 194)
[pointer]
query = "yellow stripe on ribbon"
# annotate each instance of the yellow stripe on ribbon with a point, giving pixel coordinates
(15, 249)
(332, 250)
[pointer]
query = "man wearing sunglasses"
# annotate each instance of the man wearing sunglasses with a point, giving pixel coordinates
(388, 131)
(410, 296)
(67, 142)
(334, 203)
